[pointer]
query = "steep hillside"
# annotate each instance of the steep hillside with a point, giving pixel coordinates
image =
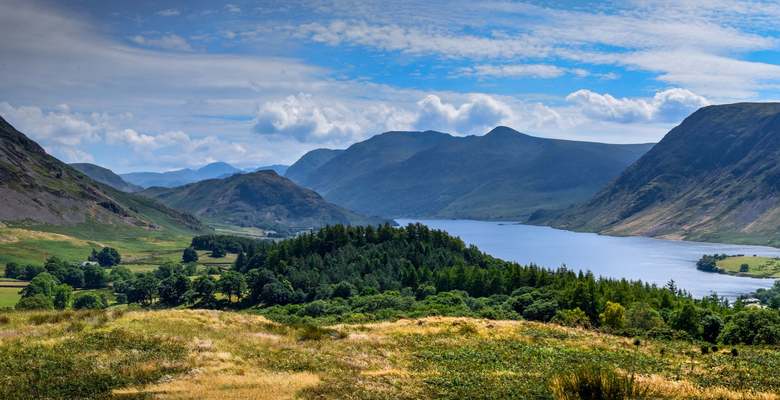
(106, 177)
(714, 177)
(310, 162)
(502, 175)
(181, 176)
(261, 199)
(38, 189)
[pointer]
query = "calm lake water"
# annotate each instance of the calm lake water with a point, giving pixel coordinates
(650, 260)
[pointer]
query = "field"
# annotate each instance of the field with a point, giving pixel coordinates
(187, 354)
(32, 245)
(759, 267)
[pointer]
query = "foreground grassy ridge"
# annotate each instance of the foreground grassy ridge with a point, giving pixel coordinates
(186, 354)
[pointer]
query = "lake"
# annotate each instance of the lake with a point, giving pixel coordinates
(647, 259)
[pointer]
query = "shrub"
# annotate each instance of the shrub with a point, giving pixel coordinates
(752, 326)
(90, 301)
(108, 257)
(642, 317)
(573, 318)
(594, 382)
(189, 255)
(613, 316)
(541, 310)
(35, 302)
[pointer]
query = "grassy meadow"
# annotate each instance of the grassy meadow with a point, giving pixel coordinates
(198, 354)
(758, 267)
(32, 245)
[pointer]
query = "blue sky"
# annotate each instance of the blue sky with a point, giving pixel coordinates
(157, 85)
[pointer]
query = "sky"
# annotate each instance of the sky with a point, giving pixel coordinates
(161, 85)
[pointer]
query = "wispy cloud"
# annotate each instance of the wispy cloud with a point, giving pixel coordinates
(167, 42)
(168, 12)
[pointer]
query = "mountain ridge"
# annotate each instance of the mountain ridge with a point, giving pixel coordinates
(501, 175)
(106, 177)
(38, 189)
(714, 177)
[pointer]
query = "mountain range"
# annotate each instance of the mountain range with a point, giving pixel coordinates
(182, 176)
(503, 175)
(38, 189)
(715, 177)
(260, 199)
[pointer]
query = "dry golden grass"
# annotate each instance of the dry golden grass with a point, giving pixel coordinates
(244, 356)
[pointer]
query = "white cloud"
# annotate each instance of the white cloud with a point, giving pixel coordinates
(232, 8)
(59, 132)
(169, 12)
(478, 114)
(670, 105)
(167, 42)
(306, 120)
(545, 71)
(419, 42)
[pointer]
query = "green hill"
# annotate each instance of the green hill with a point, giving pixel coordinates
(715, 177)
(261, 199)
(106, 177)
(501, 175)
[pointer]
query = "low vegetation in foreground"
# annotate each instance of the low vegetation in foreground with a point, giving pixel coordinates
(206, 354)
(372, 313)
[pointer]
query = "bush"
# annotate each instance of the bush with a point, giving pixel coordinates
(594, 382)
(642, 317)
(35, 302)
(189, 255)
(573, 318)
(90, 301)
(108, 257)
(12, 270)
(613, 317)
(752, 326)
(541, 310)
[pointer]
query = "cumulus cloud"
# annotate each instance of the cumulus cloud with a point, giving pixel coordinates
(479, 113)
(167, 42)
(304, 119)
(669, 105)
(59, 131)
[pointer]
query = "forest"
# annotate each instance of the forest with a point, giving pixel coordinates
(357, 274)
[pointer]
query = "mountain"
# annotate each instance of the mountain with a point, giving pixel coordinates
(261, 199)
(299, 172)
(501, 175)
(106, 177)
(38, 189)
(715, 177)
(181, 176)
(278, 168)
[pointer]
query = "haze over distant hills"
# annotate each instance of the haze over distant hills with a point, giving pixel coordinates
(714, 177)
(181, 176)
(260, 199)
(36, 188)
(501, 175)
(106, 177)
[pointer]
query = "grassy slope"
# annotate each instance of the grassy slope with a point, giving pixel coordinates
(758, 267)
(235, 355)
